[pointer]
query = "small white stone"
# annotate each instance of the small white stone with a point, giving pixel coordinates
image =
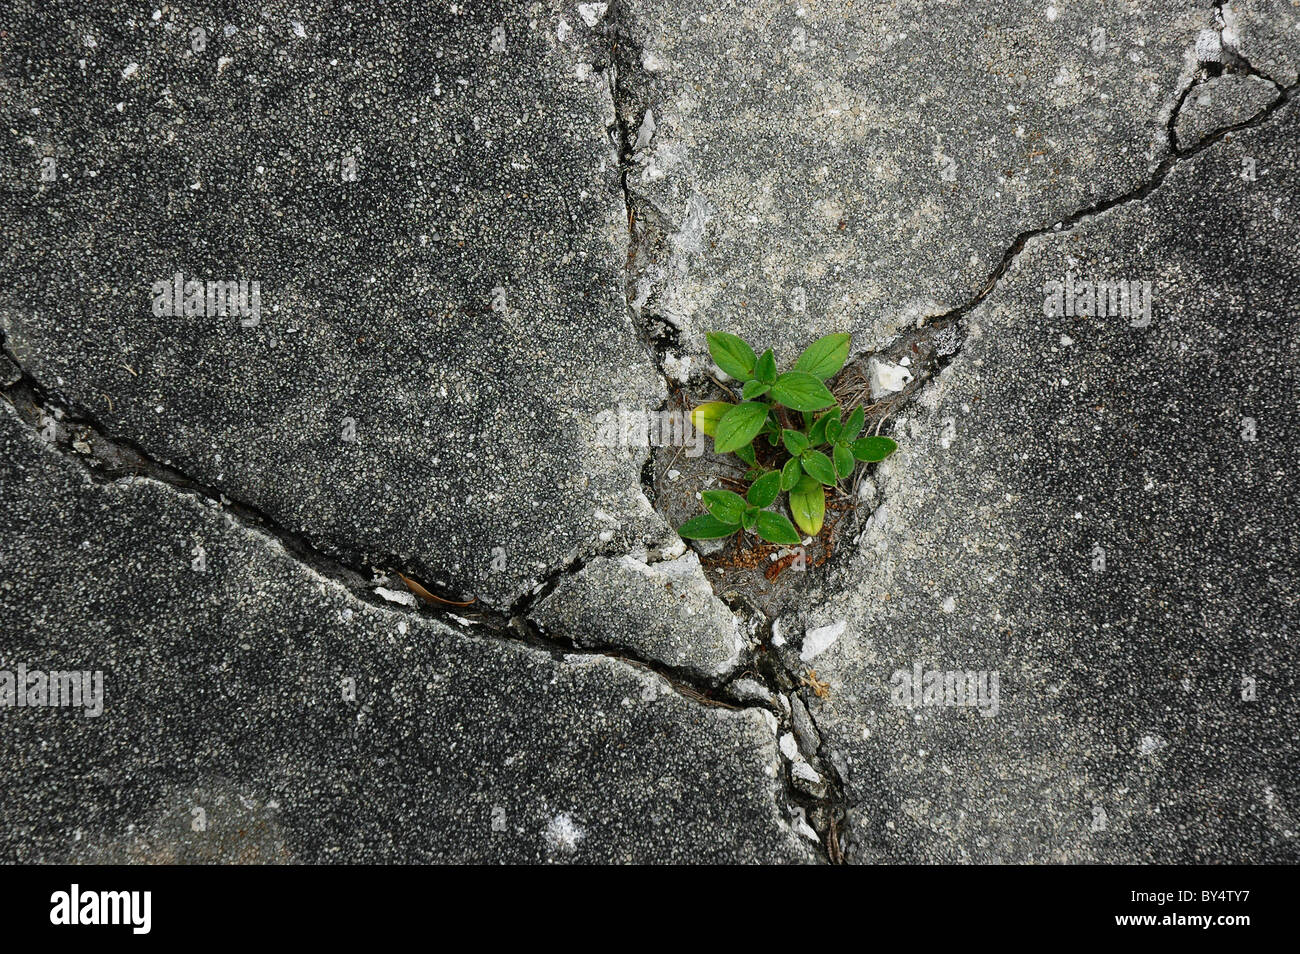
(887, 378)
(1209, 46)
(592, 13)
(404, 597)
(817, 641)
(801, 825)
(646, 132)
(803, 770)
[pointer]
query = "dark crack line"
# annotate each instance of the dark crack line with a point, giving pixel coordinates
(1230, 62)
(1136, 194)
(514, 625)
(116, 459)
(759, 665)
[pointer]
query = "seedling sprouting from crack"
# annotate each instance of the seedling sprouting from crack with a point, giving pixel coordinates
(783, 408)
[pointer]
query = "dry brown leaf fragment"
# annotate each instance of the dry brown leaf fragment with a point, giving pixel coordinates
(424, 594)
(821, 689)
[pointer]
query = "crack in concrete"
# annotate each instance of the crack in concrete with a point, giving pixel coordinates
(108, 459)
(1230, 62)
(826, 813)
(1136, 194)
(116, 458)
(833, 808)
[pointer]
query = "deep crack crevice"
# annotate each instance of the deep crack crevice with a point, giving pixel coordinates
(662, 340)
(660, 337)
(1137, 194)
(107, 459)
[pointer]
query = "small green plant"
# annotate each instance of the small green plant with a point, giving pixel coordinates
(784, 409)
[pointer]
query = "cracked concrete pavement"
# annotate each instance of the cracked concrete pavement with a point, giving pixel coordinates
(1101, 511)
(366, 582)
(260, 713)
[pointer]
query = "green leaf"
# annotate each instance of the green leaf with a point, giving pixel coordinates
(825, 356)
(749, 518)
(753, 389)
(706, 416)
(817, 433)
(808, 505)
(833, 426)
(795, 441)
(725, 505)
(746, 453)
(872, 449)
(764, 490)
(732, 355)
(819, 466)
(791, 473)
(739, 426)
(853, 426)
(775, 528)
(705, 527)
(801, 391)
(765, 369)
(844, 462)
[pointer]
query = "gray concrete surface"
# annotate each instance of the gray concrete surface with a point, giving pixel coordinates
(665, 611)
(365, 573)
(419, 386)
(1220, 102)
(1266, 33)
(822, 167)
(1102, 513)
(256, 711)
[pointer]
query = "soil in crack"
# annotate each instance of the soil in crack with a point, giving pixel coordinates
(744, 570)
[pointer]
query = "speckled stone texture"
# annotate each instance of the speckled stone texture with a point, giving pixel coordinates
(366, 577)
